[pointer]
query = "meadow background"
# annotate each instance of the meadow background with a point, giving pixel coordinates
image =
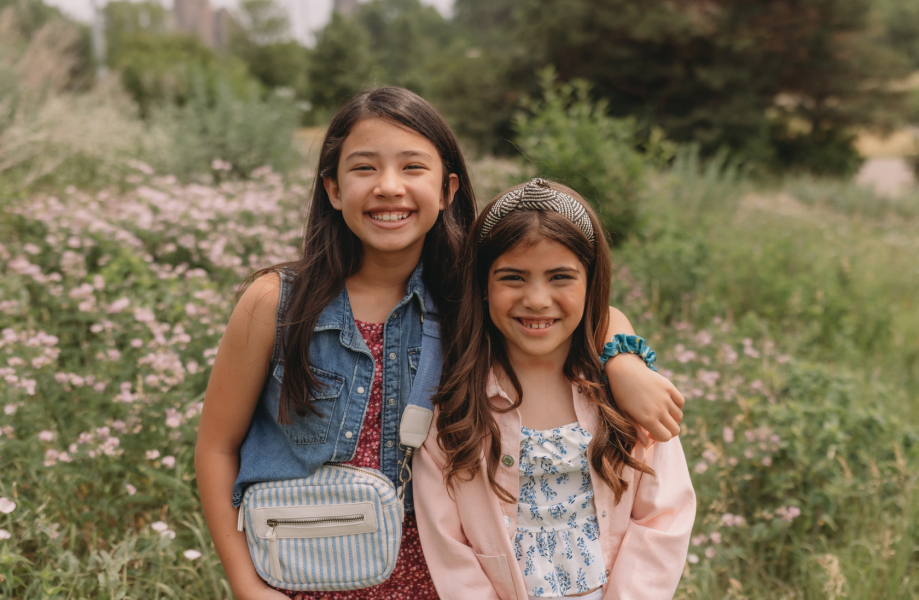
(780, 295)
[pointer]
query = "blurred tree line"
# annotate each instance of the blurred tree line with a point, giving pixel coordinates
(781, 83)
(777, 83)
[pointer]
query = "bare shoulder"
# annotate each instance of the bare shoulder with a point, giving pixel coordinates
(261, 297)
(252, 326)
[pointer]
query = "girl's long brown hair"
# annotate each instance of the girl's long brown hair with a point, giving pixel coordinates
(331, 252)
(465, 421)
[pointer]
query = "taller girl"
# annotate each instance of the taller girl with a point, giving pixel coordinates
(317, 360)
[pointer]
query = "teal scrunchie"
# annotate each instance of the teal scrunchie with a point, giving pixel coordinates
(631, 344)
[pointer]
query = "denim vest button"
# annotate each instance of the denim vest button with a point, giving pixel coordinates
(392, 356)
(392, 401)
(389, 444)
(349, 435)
(360, 390)
(508, 460)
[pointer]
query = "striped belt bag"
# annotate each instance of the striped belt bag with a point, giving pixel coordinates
(341, 527)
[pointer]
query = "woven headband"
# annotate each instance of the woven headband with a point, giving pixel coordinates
(538, 195)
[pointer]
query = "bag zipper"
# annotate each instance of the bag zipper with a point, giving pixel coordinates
(306, 521)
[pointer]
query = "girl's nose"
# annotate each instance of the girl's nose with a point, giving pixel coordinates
(390, 184)
(537, 297)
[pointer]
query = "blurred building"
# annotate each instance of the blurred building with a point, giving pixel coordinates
(198, 18)
(344, 7)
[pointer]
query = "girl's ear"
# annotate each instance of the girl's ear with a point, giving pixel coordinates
(334, 192)
(452, 187)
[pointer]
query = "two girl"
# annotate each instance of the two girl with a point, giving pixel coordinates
(317, 361)
(531, 482)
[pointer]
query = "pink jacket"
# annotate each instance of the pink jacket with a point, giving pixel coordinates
(468, 539)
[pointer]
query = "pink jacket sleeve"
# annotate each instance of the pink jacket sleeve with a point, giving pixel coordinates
(454, 567)
(653, 551)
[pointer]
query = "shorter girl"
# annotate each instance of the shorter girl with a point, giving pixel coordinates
(532, 484)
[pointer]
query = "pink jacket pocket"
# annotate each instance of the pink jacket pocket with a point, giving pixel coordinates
(499, 573)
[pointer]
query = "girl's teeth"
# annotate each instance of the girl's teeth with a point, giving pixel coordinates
(537, 325)
(389, 216)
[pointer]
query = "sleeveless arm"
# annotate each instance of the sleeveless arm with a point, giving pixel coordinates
(239, 372)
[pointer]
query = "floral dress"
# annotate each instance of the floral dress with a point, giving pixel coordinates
(557, 542)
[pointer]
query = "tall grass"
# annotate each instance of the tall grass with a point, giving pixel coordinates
(790, 326)
(52, 135)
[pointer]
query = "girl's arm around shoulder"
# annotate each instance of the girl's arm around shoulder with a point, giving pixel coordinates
(456, 571)
(236, 381)
(653, 550)
(644, 395)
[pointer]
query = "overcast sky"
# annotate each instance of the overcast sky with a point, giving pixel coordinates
(306, 15)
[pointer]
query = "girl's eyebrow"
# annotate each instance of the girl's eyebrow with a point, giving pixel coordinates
(562, 269)
(373, 154)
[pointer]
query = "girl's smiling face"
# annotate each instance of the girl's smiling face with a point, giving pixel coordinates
(389, 186)
(536, 298)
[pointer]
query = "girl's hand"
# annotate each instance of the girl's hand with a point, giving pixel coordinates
(646, 396)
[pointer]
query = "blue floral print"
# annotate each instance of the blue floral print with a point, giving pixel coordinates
(557, 539)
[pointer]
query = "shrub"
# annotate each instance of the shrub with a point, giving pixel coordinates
(566, 136)
(242, 131)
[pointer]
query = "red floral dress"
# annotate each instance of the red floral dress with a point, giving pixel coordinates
(410, 580)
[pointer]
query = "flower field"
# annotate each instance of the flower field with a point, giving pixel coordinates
(111, 307)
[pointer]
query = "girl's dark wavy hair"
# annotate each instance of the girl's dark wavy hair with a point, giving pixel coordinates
(465, 419)
(331, 252)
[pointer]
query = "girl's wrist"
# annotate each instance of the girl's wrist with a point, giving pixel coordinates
(623, 344)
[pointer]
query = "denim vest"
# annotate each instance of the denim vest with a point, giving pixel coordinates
(344, 366)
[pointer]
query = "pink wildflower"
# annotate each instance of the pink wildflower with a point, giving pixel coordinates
(7, 506)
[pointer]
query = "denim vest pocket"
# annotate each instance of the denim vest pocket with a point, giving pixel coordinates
(311, 428)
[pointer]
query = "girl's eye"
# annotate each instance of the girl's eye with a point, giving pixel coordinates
(560, 276)
(415, 167)
(363, 168)
(510, 278)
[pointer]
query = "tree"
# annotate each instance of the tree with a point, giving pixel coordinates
(340, 64)
(264, 21)
(777, 81)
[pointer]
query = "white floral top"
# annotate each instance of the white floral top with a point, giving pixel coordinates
(558, 537)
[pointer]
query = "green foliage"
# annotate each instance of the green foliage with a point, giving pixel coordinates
(386, 42)
(900, 22)
(340, 64)
(264, 21)
(242, 130)
(568, 137)
(159, 68)
(780, 83)
(824, 263)
(278, 65)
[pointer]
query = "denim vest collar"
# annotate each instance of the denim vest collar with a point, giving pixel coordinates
(337, 314)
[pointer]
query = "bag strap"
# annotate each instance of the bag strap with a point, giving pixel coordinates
(416, 420)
